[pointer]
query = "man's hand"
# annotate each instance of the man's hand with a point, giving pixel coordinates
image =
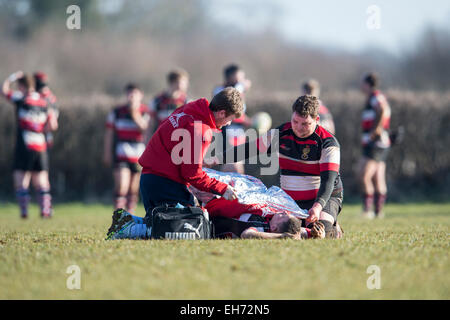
(318, 230)
(230, 194)
(314, 213)
(376, 134)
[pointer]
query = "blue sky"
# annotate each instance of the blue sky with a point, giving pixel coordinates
(339, 24)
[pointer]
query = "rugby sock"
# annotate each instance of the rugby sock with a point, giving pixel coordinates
(132, 201)
(120, 201)
(45, 203)
(368, 202)
(23, 198)
(380, 199)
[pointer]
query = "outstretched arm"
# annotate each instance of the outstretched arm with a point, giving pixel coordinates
(252, 233)
(6, 87)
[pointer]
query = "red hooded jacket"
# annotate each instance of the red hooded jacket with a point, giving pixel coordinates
(190, 126)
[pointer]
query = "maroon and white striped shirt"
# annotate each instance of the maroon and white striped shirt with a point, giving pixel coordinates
(32, 114)
(303, 159)
(128, 137)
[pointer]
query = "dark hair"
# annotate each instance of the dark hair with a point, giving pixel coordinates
(131, 86)
(40, 79)
(371, 79)
(230, 100)
(312, 87)
(293, 225)
(27, 80)
(306, 105)
(230, 70)
(176, 75)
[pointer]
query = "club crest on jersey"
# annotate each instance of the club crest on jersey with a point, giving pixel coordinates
(306, 150)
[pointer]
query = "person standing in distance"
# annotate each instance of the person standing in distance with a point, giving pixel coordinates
(376, 143)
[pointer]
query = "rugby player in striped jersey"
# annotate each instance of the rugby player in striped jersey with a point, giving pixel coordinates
(41, 80)
(175, 96)
(124, 144)
(34, 118)
(234, 134)
(376, 143)
(312, 87)
(309, 161)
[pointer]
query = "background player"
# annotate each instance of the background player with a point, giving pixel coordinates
(234, 134)
(124, 144)
(34, 117)
(41, 80)
(170, 99)
(312, 87)
(376, 143)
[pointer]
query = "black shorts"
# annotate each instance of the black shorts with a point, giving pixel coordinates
(333, 207)
(157, 191)
(134, 167)
(375, 153)
(28, 160)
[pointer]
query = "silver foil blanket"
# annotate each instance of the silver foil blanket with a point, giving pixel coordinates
(251, 190)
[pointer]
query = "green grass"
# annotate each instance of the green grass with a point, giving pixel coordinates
(411, 247)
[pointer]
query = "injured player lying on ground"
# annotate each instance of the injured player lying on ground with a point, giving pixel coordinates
(258, 213)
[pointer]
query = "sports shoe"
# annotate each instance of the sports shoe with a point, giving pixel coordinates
(46, 215)
(368, 215)
(380, 215)
(120, 218)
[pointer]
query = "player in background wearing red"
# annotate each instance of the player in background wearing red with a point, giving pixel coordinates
(41, 80)
(312, 87)
(376, 143)
(234, 134)
(34, 118)
(123, 145)
(170, 99)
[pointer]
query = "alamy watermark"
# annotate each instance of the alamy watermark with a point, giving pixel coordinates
(373, 21)
(73, 282)
(188, 147)
(374, 280)
(73, 21)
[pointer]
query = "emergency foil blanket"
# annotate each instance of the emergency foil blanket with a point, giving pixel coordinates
(251, 190)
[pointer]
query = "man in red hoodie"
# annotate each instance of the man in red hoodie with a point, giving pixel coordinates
(174, 155)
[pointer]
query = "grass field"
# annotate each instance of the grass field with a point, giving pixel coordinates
(410, 246)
